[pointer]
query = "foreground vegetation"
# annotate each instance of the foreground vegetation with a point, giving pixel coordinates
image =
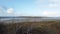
(42, 27)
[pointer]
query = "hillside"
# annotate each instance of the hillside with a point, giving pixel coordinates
(42, 27)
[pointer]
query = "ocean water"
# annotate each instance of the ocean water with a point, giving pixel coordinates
(26, 19)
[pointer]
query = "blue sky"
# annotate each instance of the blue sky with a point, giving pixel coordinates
(50, 8)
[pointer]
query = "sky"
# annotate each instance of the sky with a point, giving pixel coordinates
(50, 8)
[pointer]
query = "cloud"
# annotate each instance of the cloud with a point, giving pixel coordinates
(1, 9)
(53, 0)
(18, 13)
(48, 0)
(51, 13)
(48, 3)
(10, 10)
(53, 5)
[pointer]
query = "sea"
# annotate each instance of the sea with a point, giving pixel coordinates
(9, 20)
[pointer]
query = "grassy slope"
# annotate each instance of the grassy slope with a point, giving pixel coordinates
(46, 27)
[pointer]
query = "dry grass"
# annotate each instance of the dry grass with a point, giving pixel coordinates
(43, 27)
